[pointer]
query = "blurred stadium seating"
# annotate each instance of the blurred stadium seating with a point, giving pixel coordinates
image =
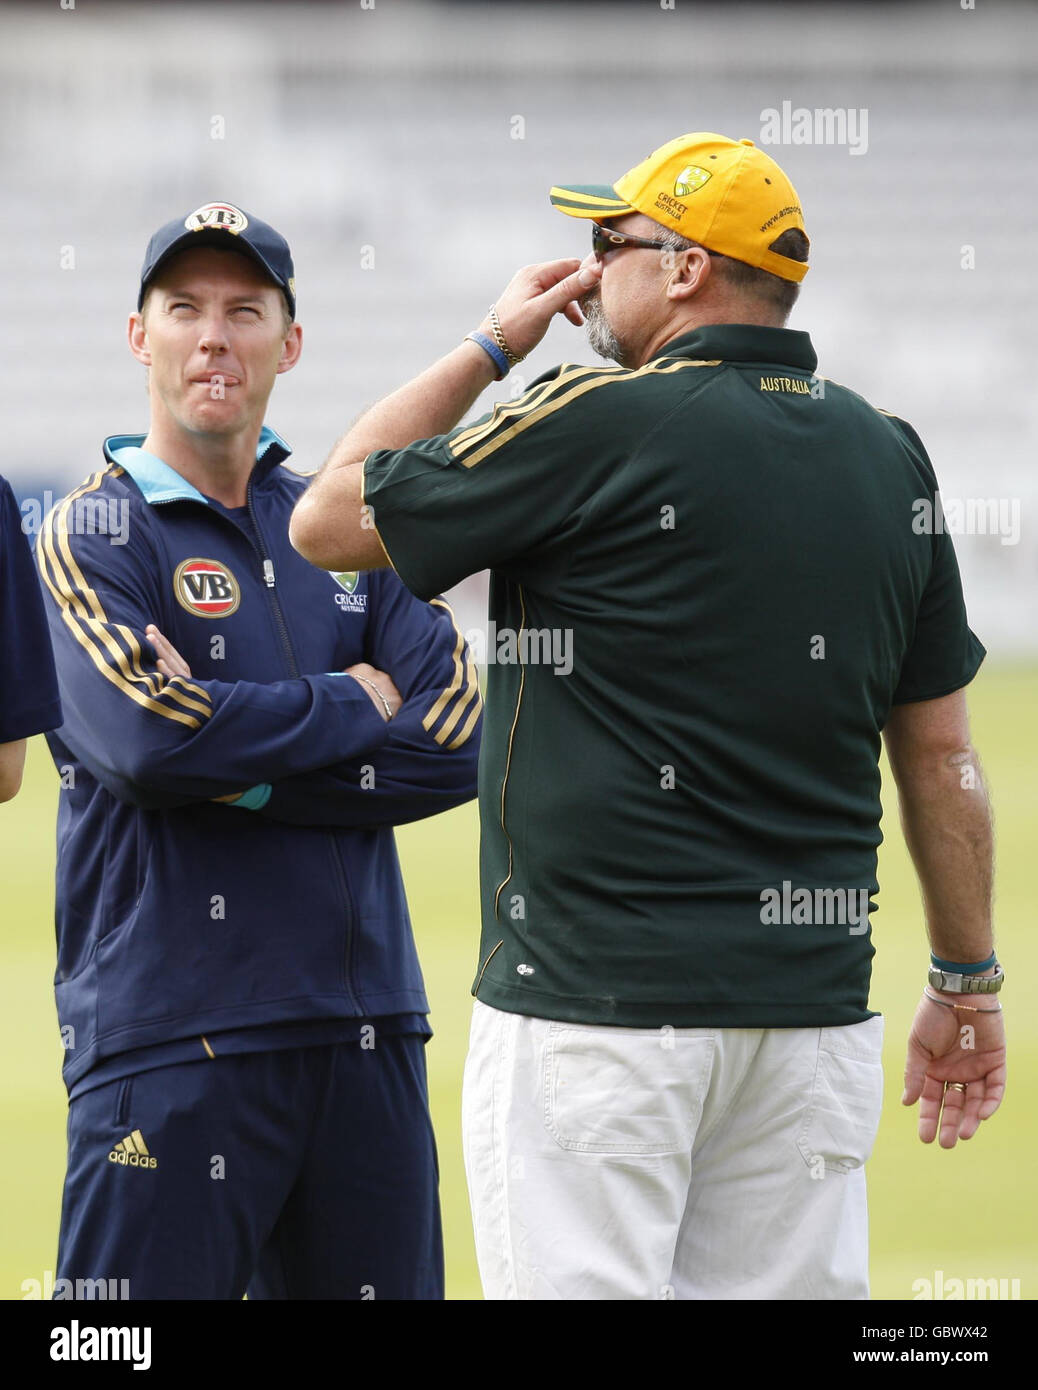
(394, 128)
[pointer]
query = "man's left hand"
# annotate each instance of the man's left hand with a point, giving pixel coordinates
(169, 661)
(949, 1049)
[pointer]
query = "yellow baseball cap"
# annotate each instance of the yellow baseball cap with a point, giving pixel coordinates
(726, 194)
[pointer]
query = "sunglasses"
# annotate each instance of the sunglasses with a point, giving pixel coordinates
(605, 239)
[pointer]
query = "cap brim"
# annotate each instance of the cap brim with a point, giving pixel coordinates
(590, 200)
(226, 241)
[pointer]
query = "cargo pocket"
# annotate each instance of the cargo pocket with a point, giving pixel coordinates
(839, 1126)
(624, 1091)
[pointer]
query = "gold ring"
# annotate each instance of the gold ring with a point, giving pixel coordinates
(954, 1086)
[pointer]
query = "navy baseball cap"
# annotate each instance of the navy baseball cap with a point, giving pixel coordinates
(215, 224)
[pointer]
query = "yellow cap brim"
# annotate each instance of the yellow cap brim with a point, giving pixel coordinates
(590, 200)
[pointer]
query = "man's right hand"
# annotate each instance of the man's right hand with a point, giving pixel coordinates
(362, 672)
(536, 293)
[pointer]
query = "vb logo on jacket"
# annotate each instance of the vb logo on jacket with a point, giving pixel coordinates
(206, 588)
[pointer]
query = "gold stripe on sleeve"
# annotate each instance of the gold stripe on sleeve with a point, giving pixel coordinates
(469, 725)
(471, 688)
(443, 699)
(84, 615)
(550, 407)
(84, 593)
(464, 684)
(516, 409)
(153, 683)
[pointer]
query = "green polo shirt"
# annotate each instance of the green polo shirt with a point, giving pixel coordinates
(711, 578)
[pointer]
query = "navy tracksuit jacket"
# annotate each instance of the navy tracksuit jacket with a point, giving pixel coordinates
(181, 921)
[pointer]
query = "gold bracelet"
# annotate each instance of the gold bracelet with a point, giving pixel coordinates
(970, 1008)
(499, 337)
(385, 703)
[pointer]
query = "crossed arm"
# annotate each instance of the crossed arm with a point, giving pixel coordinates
(425, 766)
(159, 740)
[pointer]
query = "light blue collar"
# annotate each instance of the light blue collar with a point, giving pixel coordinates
(159, 482)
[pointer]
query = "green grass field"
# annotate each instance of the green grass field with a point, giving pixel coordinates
(980, 1194)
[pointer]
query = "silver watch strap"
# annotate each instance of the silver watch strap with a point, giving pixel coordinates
(950, 983)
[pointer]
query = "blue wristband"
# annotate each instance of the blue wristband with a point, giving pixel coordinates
(973, 968)
(491, 348)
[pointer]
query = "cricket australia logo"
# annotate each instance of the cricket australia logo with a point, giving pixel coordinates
(349, 600)
(690, 180)
(206, 588)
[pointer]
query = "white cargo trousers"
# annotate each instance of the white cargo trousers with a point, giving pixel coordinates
(685, 1163)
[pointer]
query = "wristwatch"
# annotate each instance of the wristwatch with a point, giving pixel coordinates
(951, 983)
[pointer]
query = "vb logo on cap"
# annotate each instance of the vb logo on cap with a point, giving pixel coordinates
(211, 225)
(222, 216)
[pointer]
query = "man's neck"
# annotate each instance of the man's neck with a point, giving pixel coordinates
(219, 467)
(672, 330)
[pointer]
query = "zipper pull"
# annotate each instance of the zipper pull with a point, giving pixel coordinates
(268, 573)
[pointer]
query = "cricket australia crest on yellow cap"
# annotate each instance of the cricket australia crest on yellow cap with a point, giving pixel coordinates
(726, 194)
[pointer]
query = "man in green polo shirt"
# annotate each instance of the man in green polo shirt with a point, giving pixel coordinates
(713, 587)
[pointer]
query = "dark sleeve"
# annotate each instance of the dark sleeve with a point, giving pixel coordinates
(428, 762)
(488, 495)
(29, 702)
(157, 742)
(944, 654)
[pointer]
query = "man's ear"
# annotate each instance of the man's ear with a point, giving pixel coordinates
(290, 349)
(689, 272)
(137, 335)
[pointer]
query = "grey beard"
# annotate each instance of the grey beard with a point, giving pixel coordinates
(600, 335)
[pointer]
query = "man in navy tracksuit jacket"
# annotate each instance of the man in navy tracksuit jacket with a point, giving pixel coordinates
(237, 983)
